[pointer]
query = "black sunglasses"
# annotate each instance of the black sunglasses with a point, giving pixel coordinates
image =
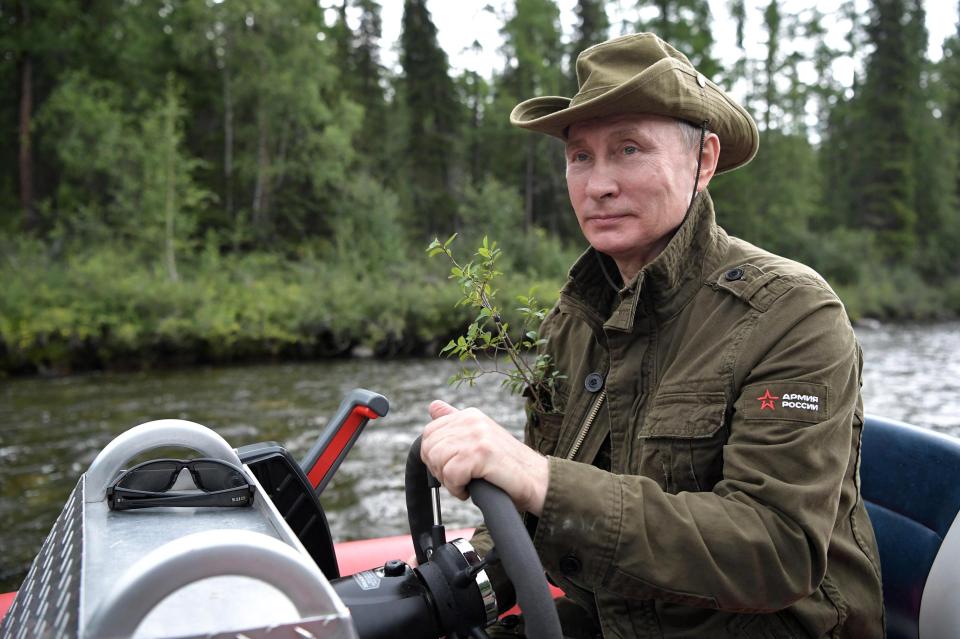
(146, 485)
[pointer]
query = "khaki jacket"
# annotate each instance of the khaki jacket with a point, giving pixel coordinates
(722, 391)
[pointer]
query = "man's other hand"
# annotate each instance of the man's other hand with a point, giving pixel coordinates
(460, 445)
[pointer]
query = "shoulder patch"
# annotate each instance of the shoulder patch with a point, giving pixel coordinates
(792, 401)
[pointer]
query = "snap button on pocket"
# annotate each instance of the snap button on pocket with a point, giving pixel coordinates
(734, 274)
(593, 382)
(569, 565)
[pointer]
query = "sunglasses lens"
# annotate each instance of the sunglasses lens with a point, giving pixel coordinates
(211, 476)
(155, 477)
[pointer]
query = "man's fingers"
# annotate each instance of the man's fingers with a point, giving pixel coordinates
(457, 473)
(447, 462)
(440, 408)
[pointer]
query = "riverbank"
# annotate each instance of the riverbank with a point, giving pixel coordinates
(106, 310)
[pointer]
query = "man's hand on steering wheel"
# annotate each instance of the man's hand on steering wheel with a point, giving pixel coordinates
(460, 445)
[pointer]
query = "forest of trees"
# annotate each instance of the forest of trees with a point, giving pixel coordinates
(201, 181)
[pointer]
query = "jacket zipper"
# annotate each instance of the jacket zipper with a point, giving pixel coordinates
(587, 423)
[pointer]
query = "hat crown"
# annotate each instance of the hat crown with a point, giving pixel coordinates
(614, 62)
(641, 73)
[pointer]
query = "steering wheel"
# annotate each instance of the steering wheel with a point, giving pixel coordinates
(512, 541)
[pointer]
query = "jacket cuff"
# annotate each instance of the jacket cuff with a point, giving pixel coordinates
(579, 527)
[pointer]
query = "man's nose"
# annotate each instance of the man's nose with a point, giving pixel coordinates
(601, 184)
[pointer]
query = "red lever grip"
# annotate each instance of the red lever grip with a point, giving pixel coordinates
(340, 441)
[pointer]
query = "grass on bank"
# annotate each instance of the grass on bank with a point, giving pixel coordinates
(107, 308)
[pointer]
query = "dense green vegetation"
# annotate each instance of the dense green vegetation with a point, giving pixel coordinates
(212, 181)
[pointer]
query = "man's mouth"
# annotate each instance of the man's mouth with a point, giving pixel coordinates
(604, 217)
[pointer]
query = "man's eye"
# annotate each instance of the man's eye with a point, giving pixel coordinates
(630, 149)
(579, 157)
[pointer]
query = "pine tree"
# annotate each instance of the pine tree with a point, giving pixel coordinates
(936, 158)
(771, 66)
(593, 26)
(35, 40)
(685, 25)
(368, 74)
(772, 199)
(474, 95)
(945, 239)
(433, 117)
(888, 105)
(534, 52)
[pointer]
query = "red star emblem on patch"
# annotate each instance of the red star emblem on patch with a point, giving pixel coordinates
(767, 400)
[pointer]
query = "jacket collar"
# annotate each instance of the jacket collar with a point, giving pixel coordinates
(662, 287)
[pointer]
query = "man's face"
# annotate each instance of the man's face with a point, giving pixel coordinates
(630, 178)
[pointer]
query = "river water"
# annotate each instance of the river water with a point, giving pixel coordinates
(51, 429)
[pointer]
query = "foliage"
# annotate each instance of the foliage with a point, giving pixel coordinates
(489, 334)
(887, 108)
(207, 181)
(534, 49)
(107, 308)
(432, 113)
(685, 25)
(593, 26)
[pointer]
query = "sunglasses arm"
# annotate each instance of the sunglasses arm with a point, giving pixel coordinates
(126, 499)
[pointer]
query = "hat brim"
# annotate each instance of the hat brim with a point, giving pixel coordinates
(667, 88)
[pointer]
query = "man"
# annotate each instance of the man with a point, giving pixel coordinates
(701, 479)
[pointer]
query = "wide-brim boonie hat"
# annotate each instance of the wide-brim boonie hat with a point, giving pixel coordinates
(641, 73)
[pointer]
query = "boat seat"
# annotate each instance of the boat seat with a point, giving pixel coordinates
(909, 482)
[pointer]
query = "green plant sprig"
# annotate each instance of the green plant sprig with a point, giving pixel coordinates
(489, 334)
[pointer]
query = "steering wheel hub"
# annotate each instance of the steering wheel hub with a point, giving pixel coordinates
(484, 585)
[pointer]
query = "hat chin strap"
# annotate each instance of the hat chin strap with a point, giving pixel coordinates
(696, 181)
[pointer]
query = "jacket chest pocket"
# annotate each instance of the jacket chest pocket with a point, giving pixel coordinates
(542, 430)
(681, 441)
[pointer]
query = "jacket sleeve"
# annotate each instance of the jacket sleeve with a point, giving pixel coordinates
(758, 540)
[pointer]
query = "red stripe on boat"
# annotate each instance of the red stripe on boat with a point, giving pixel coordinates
(6, 600)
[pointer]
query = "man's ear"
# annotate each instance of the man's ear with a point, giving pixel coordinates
(709, 159)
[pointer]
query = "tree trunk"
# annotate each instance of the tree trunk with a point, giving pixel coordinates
(170, 190)
(30, 218)
(227, 133)
(261, 190)
(772, 20)
(663, 22)
(529, 184)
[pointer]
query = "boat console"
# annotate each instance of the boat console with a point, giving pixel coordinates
(266, 569)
